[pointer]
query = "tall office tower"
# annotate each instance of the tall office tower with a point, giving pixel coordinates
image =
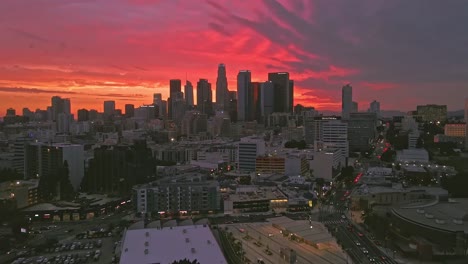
(221, 88)
(204, 97)
(178, 107)
(232, 95)
(346, 101)
(56, 107)
(244, 78)
(10, 112)
(362, 128)
(282, 92)
(253, 109)
(83, 115)
(109, 108)
(157, 98)
(334, 134)
(267, 98)
(188, 88)
(466, 123)
(355, 107)
(249, 149)
(129, 110)
(291, 96)
(175, 87)
(66, 106)
(375, 108)
(313, 127)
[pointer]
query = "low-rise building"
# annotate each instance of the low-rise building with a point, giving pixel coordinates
(20, 193)
(166, 245)
(254, 199)
(413, 155)
(177, 196)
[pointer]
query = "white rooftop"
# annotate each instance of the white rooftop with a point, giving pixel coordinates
(145, 246)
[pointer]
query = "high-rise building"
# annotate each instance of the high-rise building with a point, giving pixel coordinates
(253, 108)
(175, 86)
(249, 149)
(355, 107)
(346, 101)
(83, 115)
(313, 127)
(291, 96)
(334, 135)
(244, 78)
(109, 108)
(432, 112)
(362, 128)
(221, 87)
(283, 101)
(157, 98)
(10, 112)
(267, 98)
(204, 97)
(375, 108)
(129, 110)
(43, 161)
(188, 88)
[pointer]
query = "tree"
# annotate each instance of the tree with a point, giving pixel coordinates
(66, 189)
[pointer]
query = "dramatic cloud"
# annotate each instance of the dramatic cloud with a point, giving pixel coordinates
(399, 52)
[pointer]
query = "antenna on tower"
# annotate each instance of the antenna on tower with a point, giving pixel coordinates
(185, 77)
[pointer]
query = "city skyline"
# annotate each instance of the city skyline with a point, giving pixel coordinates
(91, 52)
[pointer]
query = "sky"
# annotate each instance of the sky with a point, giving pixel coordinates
(401, 53)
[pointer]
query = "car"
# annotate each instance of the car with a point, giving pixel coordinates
(372, 259)
(383, 257)
(360, 234)
(365, 251)
(358, 243)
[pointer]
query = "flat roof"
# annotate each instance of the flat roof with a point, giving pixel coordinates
(48, 207)
(145, 246)
(450, 216)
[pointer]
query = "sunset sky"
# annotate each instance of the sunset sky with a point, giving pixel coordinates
(399, 52)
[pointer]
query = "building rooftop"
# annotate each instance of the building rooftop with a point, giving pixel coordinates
(48, 207)
(255, 193)
(311, 231)
(170, 244)
(451, 216)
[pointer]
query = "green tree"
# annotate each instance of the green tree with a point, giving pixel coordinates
(186, 261)
(66, 188)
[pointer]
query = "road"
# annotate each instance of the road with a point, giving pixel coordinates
(358, 246)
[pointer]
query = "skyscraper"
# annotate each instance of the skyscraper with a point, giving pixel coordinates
(157, 98)
(109, 108)
(129, 110)
(254, 102)
(175, 87)
(204, 97)
(375, 108)
(267, 98)
(282, 92)
(243, 83)
(221, 87)
(346, 101)
(188, 88)
(355, 107)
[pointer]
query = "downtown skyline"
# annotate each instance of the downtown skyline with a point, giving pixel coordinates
(92, 51)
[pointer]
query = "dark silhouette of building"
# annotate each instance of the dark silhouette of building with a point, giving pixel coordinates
(204, 97)
(283, 92)
(115, 169)
(129, 110)
(83, 115)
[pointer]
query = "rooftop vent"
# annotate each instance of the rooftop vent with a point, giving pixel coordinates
(146, 243)
(209, 242)
(146, 251)
(193, 250)
(147, 234)
(187, 240)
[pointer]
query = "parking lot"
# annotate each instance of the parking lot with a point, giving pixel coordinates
(98, 250)
(263, 242)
